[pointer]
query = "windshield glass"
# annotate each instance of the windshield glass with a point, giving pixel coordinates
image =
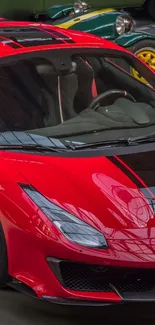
(40, 96)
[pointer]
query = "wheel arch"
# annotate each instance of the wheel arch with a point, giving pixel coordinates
(129, 40)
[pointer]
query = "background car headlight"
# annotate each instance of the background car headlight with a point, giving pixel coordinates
(72, 227)
(80, 6)
(124, 24)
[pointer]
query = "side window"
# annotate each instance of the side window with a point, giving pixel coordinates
(130, 80)
(117, 73)
(23, 104)
(130, 69)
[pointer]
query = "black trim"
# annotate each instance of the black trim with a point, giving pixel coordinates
(14, 45)
(75, 302)
(139, 296)
(30, 42)
(17, 30)
(143, 165)
(28, 37)
(11, 43)
(22, 287)
(83, 153)
(125, 171)
(149, 190)
(93, 303)
(62, 36)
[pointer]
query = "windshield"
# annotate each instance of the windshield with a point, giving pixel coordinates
(53, 96)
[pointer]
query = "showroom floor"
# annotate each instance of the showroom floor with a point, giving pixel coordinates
(17, 309)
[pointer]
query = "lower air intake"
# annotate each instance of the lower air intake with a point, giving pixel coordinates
(97, 278)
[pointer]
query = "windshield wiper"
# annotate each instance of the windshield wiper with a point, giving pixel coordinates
(106, 143)
(132, 141)
(143, 139)
(30, 147)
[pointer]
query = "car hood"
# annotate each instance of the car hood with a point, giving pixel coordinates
(114, 194)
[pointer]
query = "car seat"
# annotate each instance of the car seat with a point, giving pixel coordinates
(59, 90)
(85, 75)
(97, 65)
(48, 83)
(67, 89)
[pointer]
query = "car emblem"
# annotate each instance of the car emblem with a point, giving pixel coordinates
(99, 269)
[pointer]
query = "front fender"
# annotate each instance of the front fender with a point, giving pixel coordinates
(130, 39)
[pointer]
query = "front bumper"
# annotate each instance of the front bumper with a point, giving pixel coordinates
(98, 285)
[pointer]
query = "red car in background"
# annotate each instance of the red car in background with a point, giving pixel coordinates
(77, 172)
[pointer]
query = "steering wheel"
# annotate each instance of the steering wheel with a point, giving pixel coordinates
(122, 93)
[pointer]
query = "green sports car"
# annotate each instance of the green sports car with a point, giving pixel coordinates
(111, 24)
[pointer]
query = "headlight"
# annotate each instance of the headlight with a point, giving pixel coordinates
(124, 24)
(73, 228)
(80, 6)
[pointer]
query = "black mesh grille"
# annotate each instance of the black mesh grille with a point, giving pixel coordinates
(135, 286)
(83, 278)
(97, 278)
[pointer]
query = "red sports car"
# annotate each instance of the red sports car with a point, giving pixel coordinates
(77, 167)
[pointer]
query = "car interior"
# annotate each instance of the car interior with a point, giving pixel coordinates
(36, 99)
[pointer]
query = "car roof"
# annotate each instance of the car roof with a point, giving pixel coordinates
(21, 37)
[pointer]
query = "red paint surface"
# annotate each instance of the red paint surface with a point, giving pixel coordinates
(93, 189)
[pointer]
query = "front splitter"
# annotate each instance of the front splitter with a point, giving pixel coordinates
(139, 298)
(78, 302)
